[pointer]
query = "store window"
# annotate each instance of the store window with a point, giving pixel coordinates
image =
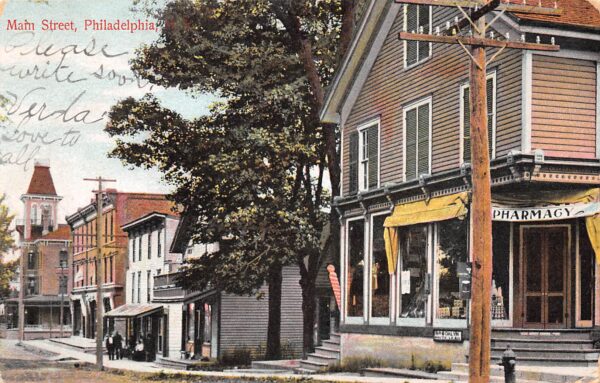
(501, 271)
(451, 257)
(380, 276)
(355, 269)
(414, 288)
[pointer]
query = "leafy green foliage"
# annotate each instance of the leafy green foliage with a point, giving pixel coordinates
(6, 244)
(6, 238)
(7, 271)
(252, 171)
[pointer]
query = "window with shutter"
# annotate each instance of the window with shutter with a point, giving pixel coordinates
(368, 156)
(373, 151)
(417, 19)
(466, 118)
(353, 162)
(410, 163)
(417, 140)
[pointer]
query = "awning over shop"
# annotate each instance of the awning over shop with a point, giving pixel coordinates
(131, 310)
(552, 205)
(413, 213)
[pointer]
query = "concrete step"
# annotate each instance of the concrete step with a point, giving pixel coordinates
(313, 365)
(330, 344)
(544, 344)
(464, 377)
(288, 364)
(328, 352)
(568, 334)
(335, 337)
(548, 353)
(305, 371)
(328, 360)
(382, 372)
(528, 374)
(551, 361)
(72, 346)
(174, 364)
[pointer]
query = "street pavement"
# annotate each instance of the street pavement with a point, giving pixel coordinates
(37, 352)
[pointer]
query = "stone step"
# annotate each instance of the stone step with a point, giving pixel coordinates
(464, 377)
(548, 353)
(328, 360)
(397, 373)
(335, 337)
(173, 364)
(330, 344)
(532, 375)
(544, 343)
(313, 365)
(328, 352)
(551, 361)
(305, 371)
(568, 334)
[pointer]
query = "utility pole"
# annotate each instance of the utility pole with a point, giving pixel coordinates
(473, 16)
(98, 268)
(63, 285)
(22, 295)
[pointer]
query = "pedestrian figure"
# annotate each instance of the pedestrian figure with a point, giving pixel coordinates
(118, 345)
(150, 349)
(138, 353)
(110, 346)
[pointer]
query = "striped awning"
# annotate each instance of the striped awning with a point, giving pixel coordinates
(133, 310)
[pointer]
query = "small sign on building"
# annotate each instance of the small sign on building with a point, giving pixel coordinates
(448, 336)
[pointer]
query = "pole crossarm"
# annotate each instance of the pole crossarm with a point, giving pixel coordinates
(506, 6)
(477, 41)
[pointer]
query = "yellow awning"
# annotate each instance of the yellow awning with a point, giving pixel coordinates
(592, 224)
(413, 213)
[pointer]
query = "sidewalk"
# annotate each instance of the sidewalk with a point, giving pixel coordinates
(63, 352)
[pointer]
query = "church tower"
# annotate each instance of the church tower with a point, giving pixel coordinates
(41, 203)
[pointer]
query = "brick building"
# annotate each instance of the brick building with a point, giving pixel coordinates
(46, 248)
(119, 209)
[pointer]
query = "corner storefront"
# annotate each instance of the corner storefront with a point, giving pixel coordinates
(405, 269)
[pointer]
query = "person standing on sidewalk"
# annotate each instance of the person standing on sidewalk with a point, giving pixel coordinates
(110, 346)
(118, 345)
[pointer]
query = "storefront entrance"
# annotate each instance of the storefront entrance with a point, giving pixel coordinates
(545, 277)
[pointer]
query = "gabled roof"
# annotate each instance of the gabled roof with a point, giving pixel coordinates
(376, 22)
(41, 181)
(182, 235)
(575, 13)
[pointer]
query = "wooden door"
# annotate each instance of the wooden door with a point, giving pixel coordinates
(544, 277)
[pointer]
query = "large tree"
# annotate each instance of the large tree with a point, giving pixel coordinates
(255, 170)
(6, 244)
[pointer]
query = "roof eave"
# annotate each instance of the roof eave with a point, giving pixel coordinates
(352, 61)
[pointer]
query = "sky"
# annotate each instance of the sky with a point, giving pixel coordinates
(58, 116)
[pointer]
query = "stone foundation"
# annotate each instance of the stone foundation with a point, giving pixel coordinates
(401, 352)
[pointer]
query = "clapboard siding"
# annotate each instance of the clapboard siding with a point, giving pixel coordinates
(244, 320)
(389, 86)
(563, 106)
(291, 312)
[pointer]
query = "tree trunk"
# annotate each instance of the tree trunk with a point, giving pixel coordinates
(274, 327)
(309, 296)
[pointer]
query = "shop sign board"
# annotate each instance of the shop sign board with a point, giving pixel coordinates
(546, 213)
(447, 335)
